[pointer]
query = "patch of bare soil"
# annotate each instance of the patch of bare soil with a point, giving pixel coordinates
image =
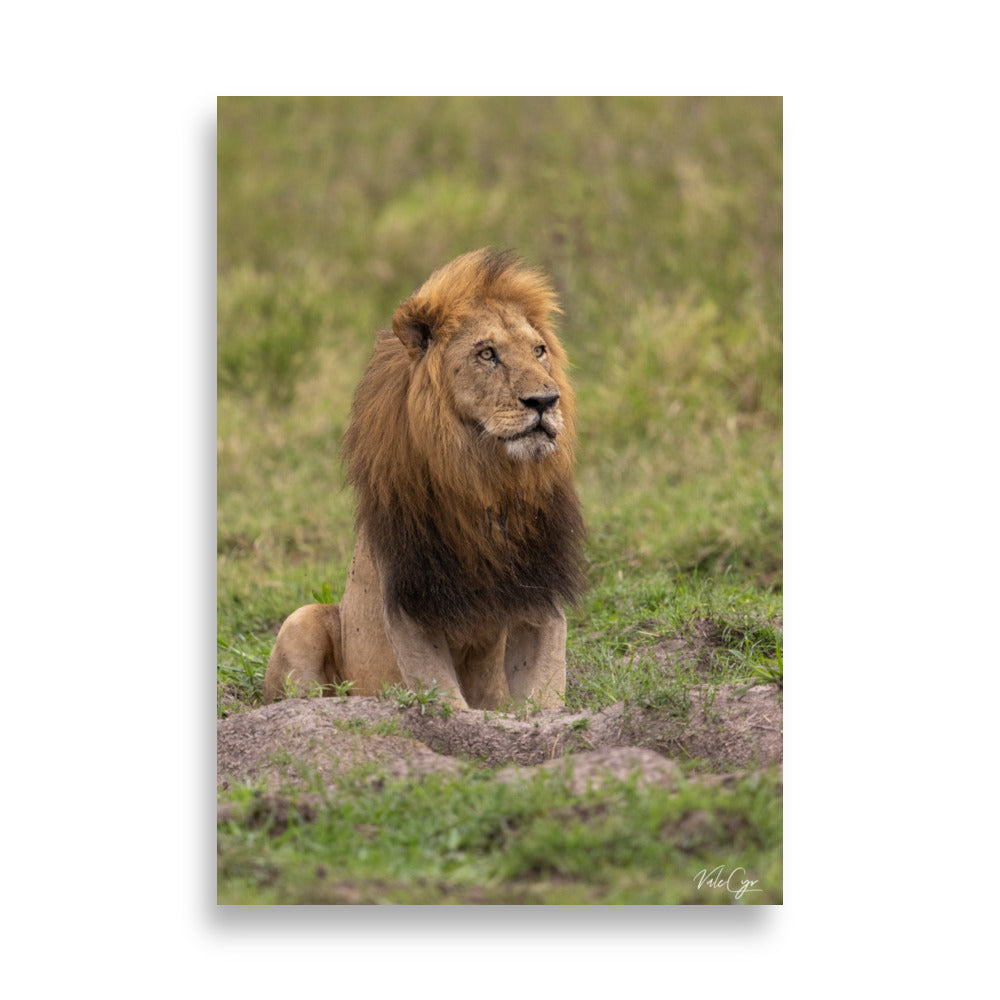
(692, 645)
(727, 729)
(728, 726)
(696, 644)
(284, 742)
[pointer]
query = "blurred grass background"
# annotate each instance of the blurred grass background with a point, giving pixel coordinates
(660, 223)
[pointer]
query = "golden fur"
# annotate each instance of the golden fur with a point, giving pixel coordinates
(460, 450)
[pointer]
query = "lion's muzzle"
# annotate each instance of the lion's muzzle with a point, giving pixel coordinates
(538, 439)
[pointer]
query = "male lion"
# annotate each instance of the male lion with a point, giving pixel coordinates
(460, 451)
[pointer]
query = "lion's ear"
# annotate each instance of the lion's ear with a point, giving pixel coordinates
(414, 327)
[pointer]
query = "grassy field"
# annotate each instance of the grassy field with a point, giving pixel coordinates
(471, 839)
(660, 222)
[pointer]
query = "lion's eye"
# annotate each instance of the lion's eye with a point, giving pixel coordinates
(540, 351)
(488, 354)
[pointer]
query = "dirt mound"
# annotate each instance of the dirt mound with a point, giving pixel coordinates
(729, 726)
(590, 769)
(724, 728)
(280, 743)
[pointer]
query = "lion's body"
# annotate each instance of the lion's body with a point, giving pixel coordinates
(469, 531)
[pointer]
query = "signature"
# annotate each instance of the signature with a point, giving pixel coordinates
(734, 881)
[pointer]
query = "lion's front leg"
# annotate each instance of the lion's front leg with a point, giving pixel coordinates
(480, 670)
(423, 657)
(535, 662)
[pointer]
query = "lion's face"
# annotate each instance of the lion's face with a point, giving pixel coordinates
(505, 382)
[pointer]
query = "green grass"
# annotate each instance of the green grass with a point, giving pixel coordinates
(660, 223)
(471, 839)
(731, 632)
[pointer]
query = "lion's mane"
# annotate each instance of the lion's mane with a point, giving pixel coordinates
(464, 535)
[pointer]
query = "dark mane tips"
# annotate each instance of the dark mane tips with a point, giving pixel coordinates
(493, 264)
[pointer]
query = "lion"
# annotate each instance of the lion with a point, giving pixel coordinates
(469, 530)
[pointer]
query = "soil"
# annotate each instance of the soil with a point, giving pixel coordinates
(727, 731)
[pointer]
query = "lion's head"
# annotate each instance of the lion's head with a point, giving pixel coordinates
(460, 446)
(481, 326)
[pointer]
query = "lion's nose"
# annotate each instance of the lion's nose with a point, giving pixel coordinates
(540, 401)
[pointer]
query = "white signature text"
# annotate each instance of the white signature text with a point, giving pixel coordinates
(734, 882)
